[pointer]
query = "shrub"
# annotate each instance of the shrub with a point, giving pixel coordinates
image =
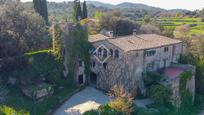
(159, 93)
(148, 112)
(152, 78)
(122, 102)
(91, 112)
(107, 110)
(5, 110)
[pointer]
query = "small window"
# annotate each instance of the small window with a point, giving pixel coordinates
(116, 54)
(105, 65)
(166, 49)
(111, 52)
(150, 53)
(99, 52)
(93, 64)
(105, 53)
(150, 66)
(80, 63)
(137, 54)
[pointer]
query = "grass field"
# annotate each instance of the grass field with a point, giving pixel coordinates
(197, 27)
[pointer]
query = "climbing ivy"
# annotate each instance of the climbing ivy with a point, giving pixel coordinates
(184, 77)
(186, 97)
(57, 45)
(80, 47)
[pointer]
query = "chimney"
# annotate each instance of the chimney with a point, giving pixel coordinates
(134, 31)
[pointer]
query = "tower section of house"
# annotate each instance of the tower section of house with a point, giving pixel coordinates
(124, 60)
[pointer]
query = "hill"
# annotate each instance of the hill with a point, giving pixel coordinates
(128, 10)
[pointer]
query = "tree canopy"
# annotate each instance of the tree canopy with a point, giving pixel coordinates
(21, 30)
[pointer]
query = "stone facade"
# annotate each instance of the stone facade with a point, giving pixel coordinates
(172, 81)
(128, 68)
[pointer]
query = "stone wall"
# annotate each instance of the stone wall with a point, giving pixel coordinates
(125, 71)
(128, 69)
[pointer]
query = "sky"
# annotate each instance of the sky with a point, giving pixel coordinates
(166, 4)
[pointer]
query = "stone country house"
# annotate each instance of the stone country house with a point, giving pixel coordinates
(124, 61)
(131, 56)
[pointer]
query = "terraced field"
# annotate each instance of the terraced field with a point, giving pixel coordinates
(197, 27)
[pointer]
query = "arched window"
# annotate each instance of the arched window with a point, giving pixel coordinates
(99, 52)
(111, 52)
(105, 53)
(116, 54)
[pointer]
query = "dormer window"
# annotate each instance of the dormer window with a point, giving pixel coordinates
(116, 54)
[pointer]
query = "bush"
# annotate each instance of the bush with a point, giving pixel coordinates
(91, 112)
(5, 110)
(107, 110)
(123, 101)
(148, 112)
(159, 93)
(152, 78)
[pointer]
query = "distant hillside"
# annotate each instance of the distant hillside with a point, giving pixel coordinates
(128, 10)
(100, 4)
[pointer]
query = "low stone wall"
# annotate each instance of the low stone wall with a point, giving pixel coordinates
(38, 91)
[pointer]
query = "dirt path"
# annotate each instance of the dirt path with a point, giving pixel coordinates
(88, 99)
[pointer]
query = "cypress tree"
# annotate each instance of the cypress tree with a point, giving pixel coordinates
(75, 16)
(79, 12)
(40, 7)
(84, 10)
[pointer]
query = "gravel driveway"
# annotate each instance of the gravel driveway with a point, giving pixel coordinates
(87, 99)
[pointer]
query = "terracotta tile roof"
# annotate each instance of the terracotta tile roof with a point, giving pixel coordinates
(97, 37)
(139, 42)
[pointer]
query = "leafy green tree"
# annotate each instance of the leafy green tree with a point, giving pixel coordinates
(149, 29)
(201, 15)
(23, 30)
(75, 17)
(40, 7)
(147, 19)
(159, 93)
(85, 14)
(98, 15)
(77, 13)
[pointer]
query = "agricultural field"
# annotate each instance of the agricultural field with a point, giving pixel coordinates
(197, 27)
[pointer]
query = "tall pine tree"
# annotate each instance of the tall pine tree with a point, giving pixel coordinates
(77, 13)
(75, 16)
(84, 10)
(40, 7)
